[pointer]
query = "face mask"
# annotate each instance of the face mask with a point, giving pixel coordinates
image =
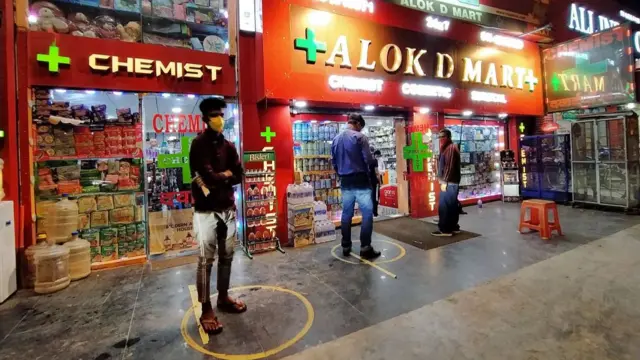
(216, 123)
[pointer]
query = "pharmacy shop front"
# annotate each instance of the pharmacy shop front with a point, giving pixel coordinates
(323, 61)
(110, 124)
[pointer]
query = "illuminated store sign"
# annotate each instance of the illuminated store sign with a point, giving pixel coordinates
(436, 24)
(584, 20)
(599, 74)
(629, 17)
(501, 40)
(358, 5)
(407, 60)
(489, 97)
(337, 82)
(426, 90)
(523, 162)
(140, 66)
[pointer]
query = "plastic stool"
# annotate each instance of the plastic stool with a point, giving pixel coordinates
(539, 217)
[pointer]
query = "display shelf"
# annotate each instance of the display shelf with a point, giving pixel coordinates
(356, 220)
(318, 172)
(72, 196)
(312, 157)
(86, 158)
(252, 203)
(252, 174)
(119, 262)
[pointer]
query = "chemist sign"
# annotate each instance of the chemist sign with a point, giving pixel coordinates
(58, 60)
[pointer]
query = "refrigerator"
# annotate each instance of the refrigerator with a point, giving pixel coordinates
(8, 271)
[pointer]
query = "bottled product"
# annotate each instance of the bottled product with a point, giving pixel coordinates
(79, 257)
(62, 220)
(29, 253)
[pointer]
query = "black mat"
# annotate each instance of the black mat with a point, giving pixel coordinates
(417, 233)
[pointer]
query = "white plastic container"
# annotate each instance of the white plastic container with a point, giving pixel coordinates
(79, 257)
(62, 220)
(30, 253)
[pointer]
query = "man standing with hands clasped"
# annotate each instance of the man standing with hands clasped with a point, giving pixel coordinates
(215, 169)
(449, 178)
(351, 158)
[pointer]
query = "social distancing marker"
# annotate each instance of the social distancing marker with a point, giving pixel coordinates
(196, 310)
(375, 266)
(401, 254)
(197, 313)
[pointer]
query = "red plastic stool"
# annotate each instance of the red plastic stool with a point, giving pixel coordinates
(539, 217)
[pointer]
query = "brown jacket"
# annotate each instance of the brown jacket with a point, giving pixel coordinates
(211, 155)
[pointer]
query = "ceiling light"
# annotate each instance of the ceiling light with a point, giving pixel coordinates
(369, 107)
(631, 106)
(503, 115)
(297, 121)
(32, 19)
(313, 121)
(299, 103)
(117, 93)
(176, 110)
(61, 91)
(191, 96)
(467, 113)
(165, 95)
(424, 110)
(90, 92)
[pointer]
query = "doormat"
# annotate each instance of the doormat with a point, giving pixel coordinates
(418, 233)
(167, 263)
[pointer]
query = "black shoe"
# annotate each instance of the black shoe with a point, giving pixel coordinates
(370, 254)
(457, 230)
(441, 234)
(346, 252)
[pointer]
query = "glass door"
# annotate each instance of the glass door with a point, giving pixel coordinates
(612, 172)
(585, 179)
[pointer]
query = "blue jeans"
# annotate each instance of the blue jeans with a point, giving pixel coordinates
(448, 211)
(349, 198)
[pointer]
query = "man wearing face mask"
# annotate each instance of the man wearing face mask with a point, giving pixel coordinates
(449, 177)
(215, 168)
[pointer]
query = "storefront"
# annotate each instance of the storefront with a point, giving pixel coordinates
(592, 90)
(110, 123)
(408, 75)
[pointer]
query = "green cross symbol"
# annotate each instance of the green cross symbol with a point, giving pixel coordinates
(53, 58)
(268, 134)
(417, 152)
(521, 127)
(179, 160)
(310, 45)
(555, 82)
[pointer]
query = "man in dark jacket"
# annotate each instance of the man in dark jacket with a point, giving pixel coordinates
(449, 177)
(215, 169)
(351, 158)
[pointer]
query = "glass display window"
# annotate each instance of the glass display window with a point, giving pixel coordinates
(191, 24)
(480, 144)
(171, 122)
(88, 145)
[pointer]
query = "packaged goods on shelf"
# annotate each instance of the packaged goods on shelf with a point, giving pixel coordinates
(301, 236)
(300, 215)
(320, 211)
(325, 231)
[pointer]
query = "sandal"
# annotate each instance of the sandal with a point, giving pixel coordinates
(211, 326)
(232, 306)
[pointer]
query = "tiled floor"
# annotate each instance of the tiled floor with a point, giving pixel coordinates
(137, 313)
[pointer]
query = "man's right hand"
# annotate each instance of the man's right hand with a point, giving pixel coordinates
(228, 173)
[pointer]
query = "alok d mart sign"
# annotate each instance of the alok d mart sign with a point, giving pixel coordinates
(393, 59)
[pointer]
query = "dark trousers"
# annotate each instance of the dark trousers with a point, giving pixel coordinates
(448, 211)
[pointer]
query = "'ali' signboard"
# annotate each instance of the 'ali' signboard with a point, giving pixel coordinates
(348, 59)
(592, 71)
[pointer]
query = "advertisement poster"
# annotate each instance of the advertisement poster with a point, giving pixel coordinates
(388, 199)
(171, 231)
(596, 70)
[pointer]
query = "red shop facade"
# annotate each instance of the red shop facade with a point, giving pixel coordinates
(314, 62)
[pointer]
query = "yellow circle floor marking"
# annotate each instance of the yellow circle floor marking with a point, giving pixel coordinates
(260, 355)
(403, 252)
